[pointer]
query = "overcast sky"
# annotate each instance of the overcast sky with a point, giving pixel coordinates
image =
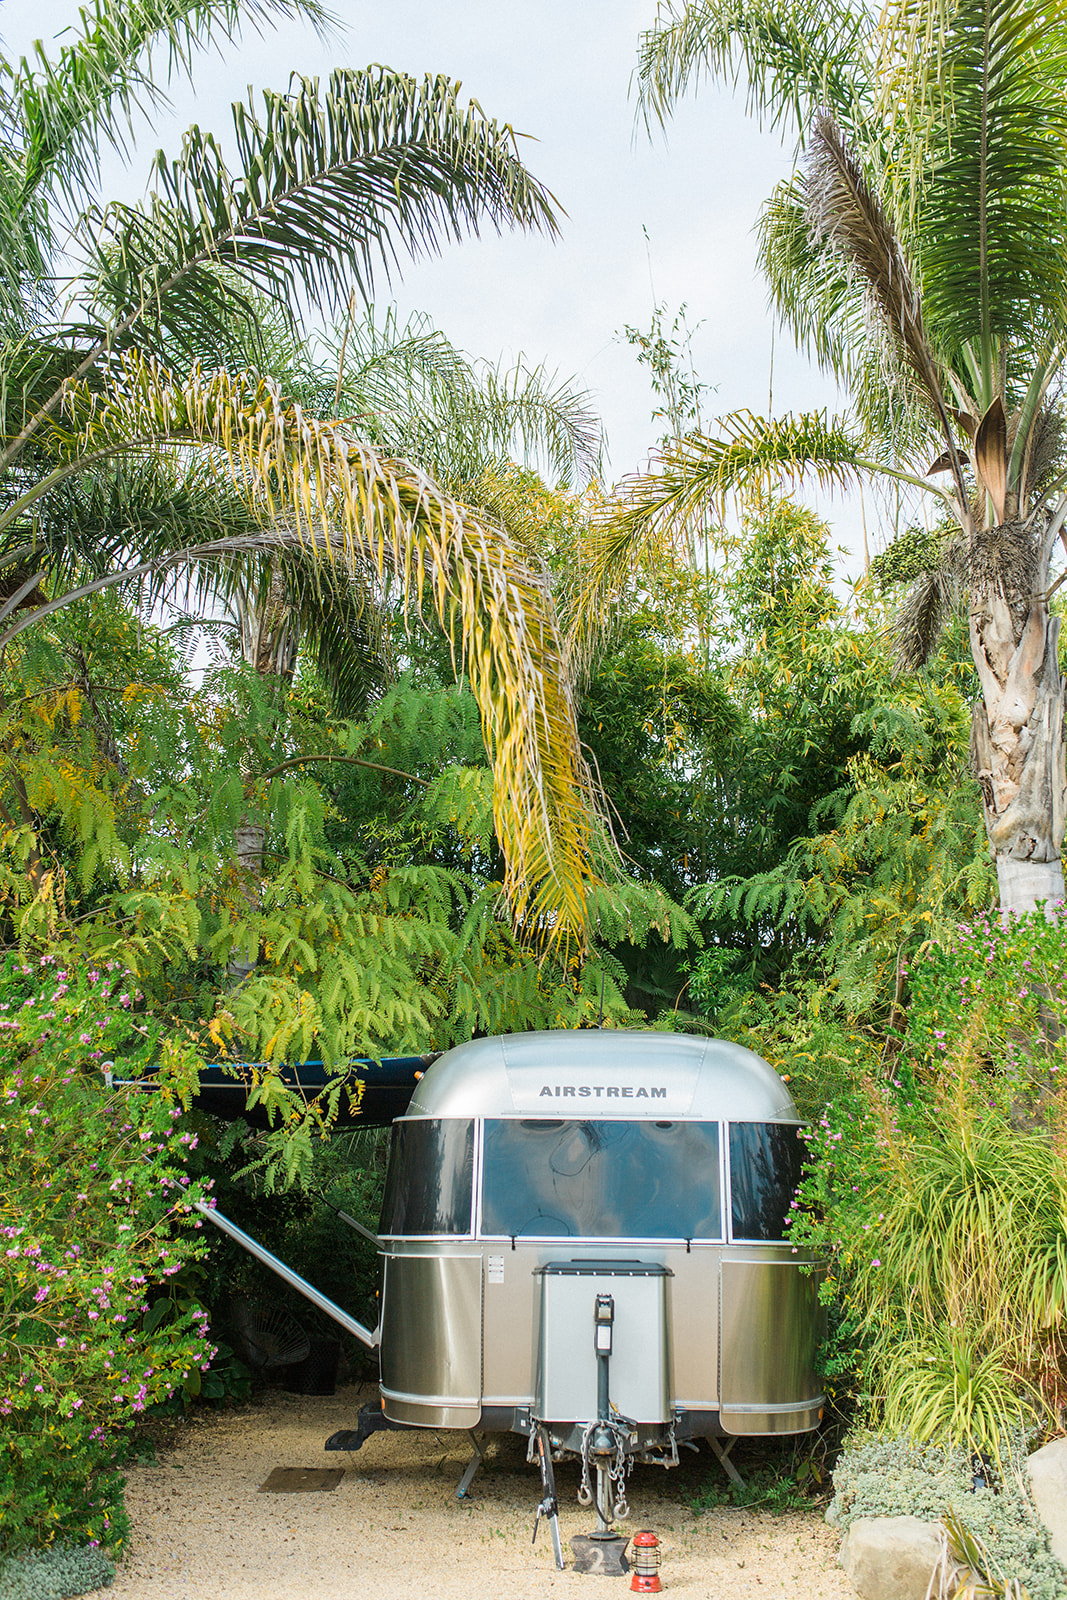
(558, 71)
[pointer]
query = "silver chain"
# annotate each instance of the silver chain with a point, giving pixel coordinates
(623, 1464)
(617, 1473)
(585, 1489)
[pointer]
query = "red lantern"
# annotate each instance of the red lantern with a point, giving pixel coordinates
(645, 1553)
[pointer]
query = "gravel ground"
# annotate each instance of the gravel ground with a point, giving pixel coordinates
(393, 1528)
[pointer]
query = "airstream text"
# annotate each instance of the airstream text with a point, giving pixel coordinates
(611, 1091)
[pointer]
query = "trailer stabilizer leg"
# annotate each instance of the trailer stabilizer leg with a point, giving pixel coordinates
(549, 1507)
(472, 1466)
(724, 1459)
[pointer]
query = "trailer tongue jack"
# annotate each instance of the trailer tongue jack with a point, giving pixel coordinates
(604, 1448)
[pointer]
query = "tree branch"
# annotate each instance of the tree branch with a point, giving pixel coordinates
(355, 761)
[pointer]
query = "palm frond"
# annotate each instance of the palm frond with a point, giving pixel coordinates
(329, 189)
(228, 323)
(747, 457)
(792, 59)
(697, 477)
(377, 365)
(334, 606)
(412, 393)
(845, 211)
(536, 413)
(919, 622)
(130, 509)
(339, 615)
(346, 503)
(162, 567)
(1044, 456)
(810, 288)
(24, 261)
(68, 109)
(166, 529)
(994, 189)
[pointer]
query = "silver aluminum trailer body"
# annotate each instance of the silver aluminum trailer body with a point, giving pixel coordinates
(539, 1182)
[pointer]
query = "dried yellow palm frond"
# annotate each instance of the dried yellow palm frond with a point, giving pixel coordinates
(346, 503)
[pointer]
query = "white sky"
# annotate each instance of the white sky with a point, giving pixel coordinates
(558, 70)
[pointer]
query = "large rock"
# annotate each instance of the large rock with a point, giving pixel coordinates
(1048, 1485)
(891, 1558)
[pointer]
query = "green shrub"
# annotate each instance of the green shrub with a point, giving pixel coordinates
(765, 1488)
(887, 1477)
(938, 1190)
(58, 1573)
(95, 1227)
(1003, 989)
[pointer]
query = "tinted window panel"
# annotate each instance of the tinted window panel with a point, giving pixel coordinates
(431, 1174)
(602, 1180)
(765, 1165)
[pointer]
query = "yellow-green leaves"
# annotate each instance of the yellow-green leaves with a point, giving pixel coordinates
(314, 483)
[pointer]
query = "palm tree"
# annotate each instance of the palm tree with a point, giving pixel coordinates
(412, 395)
(330, 185)
(919, 252)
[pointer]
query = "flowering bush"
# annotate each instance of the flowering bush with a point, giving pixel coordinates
(1001, 989)
(95, 1226)
(939, 1193)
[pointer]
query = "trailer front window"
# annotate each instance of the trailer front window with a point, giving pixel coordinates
(601, 1180)
(430, 1184)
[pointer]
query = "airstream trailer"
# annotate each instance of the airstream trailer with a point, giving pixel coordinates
(584, 1240)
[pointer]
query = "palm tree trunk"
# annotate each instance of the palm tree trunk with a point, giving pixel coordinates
(270, 632)
(1018, 750)
(249, 841)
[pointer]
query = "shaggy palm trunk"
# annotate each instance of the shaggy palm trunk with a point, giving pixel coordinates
(250, 839)
(270, 639)
(270, 633)
(1017, 742)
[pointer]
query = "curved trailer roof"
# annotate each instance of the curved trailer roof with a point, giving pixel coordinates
(604, 1073)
